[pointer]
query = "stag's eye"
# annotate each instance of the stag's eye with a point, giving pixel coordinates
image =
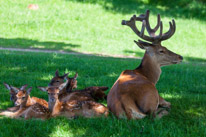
(58, 81)
(23, 97)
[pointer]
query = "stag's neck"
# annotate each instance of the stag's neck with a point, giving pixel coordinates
(149, 68)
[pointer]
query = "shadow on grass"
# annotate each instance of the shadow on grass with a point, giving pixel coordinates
(23, 42)
(18, 68)
(177, 8)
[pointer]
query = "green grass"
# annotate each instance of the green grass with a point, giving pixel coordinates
(183, 85)
(94, 26)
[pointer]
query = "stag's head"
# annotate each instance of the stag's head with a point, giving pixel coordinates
(153, 46)
(21, 94)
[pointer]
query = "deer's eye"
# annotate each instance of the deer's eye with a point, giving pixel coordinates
(23, 97)
(161, 51)
(57, 81)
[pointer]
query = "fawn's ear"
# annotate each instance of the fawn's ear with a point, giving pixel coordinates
(15, 89)
(65, 75)
(62, 86)
(7, 86)
(57, 73)
(23, 87)
(29, 90)
(44, 89)
(76, 75)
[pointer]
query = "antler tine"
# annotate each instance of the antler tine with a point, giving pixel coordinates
(149, 30)
(158, 23)
(170, 32)
(158, 38)
(131, 24)
(144, 18)
(143, 28)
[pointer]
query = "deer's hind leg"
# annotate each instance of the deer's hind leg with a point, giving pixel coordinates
(132, 110)
(164, 103)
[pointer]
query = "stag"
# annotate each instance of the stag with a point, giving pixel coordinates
(134, 94)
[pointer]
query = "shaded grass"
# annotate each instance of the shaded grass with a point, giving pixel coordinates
(183, 85)
(94, 26)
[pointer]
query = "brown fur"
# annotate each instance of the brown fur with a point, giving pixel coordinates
(24, 101)
(74, 106)
(134, 94)
(90, 93)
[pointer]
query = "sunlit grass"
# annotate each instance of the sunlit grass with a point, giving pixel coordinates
(95, 26)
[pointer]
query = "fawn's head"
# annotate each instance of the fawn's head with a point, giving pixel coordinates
(160, 54)
(21, 94)
(53, 91)
(11, 92)
(58, 80)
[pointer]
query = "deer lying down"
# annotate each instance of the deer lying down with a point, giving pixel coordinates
(13, 97)
(24, 101)
(90, 93)
(72, 108)
(134, 94)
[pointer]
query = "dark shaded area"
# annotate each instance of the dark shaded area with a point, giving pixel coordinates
(193, 59)
(174, 9)
(24, 42)
(184, 81)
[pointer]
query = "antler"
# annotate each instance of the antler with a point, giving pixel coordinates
(144, 18)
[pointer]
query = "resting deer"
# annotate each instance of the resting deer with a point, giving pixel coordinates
(24, 101)
(13, 97)
(90, 93)
(134, 94)
(72, 108)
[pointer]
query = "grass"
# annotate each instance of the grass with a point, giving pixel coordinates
(95, 26)
(183, 85)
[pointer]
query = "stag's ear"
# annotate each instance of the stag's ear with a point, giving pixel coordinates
(15, 89)
(65, 75)
(7, 86)
(76, 75)
(44, 89)
(23, 87)
(57, 73)
(142, 44)
(29, 90)
(62, 86)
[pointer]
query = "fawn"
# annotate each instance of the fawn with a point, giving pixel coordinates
(73, 107)
(24, 101)
(13, 97)
(90, 93)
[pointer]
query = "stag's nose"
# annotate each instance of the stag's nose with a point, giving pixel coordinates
(181, 57)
